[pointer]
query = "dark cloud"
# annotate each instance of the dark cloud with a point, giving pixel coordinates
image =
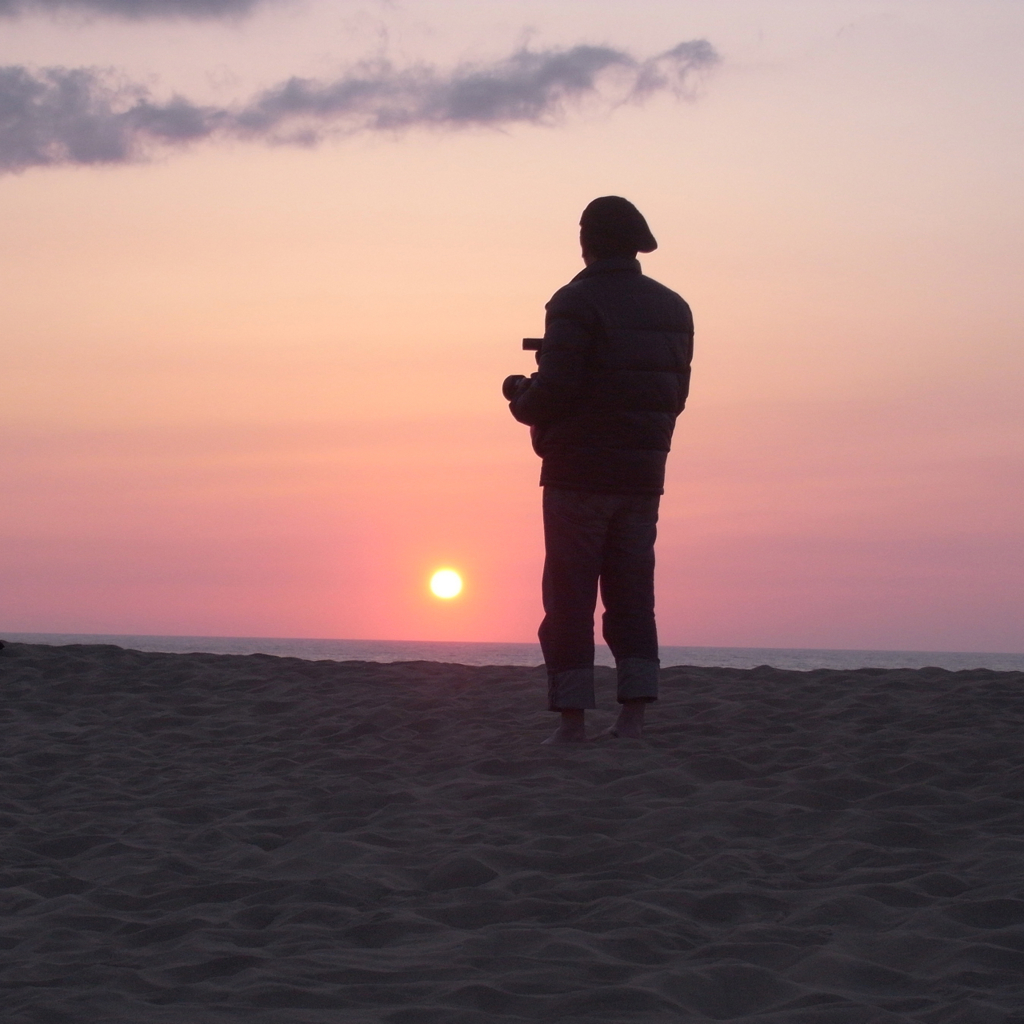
(134, 8)
(84, 116)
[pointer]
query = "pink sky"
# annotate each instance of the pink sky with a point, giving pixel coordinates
(252, 389)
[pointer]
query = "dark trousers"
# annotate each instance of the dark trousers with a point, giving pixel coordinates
(604, 540)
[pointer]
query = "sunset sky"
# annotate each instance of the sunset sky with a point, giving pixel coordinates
(265, 265)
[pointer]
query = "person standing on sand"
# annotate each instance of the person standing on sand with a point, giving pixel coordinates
(614, 373)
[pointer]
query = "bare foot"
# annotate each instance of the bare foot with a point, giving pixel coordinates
(571, 729)
(630, 723)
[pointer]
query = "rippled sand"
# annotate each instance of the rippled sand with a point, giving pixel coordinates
(202, 838)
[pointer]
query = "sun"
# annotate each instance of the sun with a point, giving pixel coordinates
(446, 583)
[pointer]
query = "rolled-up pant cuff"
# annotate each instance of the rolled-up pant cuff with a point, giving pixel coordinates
(571, 690)
(637, 679)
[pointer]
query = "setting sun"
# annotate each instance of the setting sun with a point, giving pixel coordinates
(446, 583)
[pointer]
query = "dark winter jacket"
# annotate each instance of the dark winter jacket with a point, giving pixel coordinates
(614, 375)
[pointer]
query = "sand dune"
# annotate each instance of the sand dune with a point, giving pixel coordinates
(200, 838)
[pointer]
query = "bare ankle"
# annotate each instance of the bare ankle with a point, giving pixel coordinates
(572, 727)
(630, 723)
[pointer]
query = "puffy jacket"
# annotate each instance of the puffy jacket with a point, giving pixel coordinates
(614, 373)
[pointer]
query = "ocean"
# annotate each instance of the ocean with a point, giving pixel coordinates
(527, 654)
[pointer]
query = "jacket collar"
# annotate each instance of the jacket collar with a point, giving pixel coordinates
(615, 264)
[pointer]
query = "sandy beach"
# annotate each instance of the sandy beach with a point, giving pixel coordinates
(190, 839)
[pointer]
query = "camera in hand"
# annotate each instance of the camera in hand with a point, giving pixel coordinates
(510, 386)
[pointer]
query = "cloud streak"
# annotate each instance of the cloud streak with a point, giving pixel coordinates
(138, 9)
(69, 116)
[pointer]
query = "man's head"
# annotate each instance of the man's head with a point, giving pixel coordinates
(613, 226)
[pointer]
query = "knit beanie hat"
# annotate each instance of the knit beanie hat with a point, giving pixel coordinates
(612, 225)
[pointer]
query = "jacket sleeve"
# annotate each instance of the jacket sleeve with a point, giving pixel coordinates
(565, 355)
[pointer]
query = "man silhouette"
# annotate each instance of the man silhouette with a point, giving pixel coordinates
(613, 375)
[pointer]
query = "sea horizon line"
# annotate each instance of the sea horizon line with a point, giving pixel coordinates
(525, 653)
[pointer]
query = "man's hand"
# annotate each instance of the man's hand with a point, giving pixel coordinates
(512, 385)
